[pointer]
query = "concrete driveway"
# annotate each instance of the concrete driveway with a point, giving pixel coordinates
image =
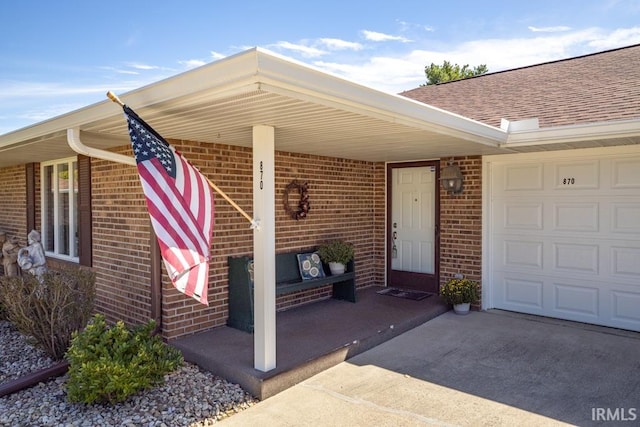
(491, 368)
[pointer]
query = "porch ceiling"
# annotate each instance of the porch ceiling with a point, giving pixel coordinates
(312, 112)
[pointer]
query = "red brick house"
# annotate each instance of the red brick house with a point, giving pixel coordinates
(547, 220)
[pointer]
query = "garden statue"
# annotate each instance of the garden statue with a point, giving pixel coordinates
(10, 249)
(31, 258)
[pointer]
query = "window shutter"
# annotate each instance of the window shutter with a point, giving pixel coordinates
(84, 210)
(30, 174)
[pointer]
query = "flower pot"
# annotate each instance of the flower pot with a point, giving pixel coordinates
(461, 308)
(336, 268)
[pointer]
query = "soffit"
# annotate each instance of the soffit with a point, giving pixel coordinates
(301, 126)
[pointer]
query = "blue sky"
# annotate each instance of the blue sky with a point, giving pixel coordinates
(58, 56)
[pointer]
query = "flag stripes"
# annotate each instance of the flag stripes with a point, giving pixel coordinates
(180, 204)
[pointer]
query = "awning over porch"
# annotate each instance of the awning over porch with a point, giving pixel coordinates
(312, 112)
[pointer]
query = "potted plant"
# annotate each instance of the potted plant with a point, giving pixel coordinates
(461, 293)
(337, 254)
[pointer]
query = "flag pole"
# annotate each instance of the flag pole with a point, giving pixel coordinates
(254, 224)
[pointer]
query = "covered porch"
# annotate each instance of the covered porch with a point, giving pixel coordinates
(247, 109)
(257, 106)
(311, 338)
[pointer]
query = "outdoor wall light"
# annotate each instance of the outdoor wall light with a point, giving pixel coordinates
(451, 178)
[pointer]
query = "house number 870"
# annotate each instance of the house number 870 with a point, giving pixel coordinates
(261, 173)
(568, 181)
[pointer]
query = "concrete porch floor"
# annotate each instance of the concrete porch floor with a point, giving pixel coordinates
(310, 339)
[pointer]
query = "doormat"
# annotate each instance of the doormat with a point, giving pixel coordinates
(413, 295)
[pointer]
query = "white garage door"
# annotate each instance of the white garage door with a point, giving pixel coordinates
(563, 235)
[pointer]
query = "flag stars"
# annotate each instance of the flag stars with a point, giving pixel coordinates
(147, 147)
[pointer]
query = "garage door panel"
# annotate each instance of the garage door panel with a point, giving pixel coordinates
(625, 308)
(576, 257)
(625, 217)
(625, 173)
(520, 294)
(565, 236)
(576, 300)
(522, 253)
(576, 216)
(528, 177)
(577, 175)
(523, 216)
(625, 263)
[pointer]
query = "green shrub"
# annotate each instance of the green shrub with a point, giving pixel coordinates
(51, 310)
(108, 364)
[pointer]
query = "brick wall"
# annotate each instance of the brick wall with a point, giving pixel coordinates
(120, 234)
(14, 202)
(347, 201)
(461, 223)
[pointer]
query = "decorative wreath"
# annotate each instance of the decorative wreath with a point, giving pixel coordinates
(300, 211)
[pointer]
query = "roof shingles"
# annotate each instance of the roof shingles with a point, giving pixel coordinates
(593, 88)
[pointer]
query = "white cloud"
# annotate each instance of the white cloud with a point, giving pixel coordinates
(407, 26)
(192, 63)
(49, 111)
(120, 71)
(387, 74)
(555, 29)
(304, 50)
(44, 89)
(618, 38)
(405, 70)
(144, 67)
(217, 55)
(338, 44)
(381, 37)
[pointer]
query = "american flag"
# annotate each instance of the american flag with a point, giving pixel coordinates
(180, 203)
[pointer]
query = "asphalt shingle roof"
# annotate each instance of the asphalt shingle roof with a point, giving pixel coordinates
(593, 88)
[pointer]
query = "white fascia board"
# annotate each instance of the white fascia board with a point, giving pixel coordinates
(301, 81)
(574, 133)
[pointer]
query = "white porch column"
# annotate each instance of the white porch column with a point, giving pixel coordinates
(264, 249)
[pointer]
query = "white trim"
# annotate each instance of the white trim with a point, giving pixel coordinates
(73, 210)
(574, 133)
(487, 239)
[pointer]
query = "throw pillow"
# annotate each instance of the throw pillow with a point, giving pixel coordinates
(310, 266)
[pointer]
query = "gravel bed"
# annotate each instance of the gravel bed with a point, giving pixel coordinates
(189, 397)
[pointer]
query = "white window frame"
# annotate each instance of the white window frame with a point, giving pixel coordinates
(73, 214)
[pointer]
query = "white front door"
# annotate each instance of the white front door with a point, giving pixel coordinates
(565, 235)
(413, 221)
